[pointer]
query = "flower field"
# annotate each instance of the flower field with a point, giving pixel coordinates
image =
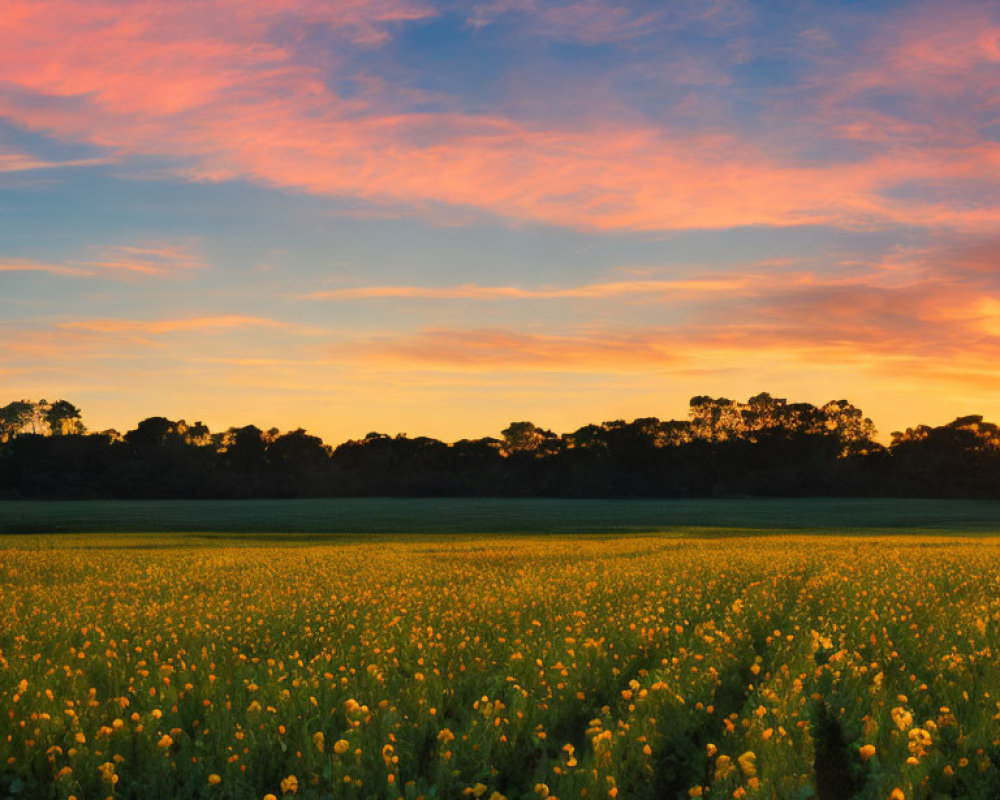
(532, 667)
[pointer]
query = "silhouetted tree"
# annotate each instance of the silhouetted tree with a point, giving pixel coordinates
(151, 432)
(63, 419)
(525, 437)
(765, 446)
(21, 416)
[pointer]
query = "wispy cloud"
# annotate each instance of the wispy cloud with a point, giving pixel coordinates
(143, 344)
(117, 262)
(595, 22)
(475, 349)
(593, 291)
(163, 259)
(27, 265)
(241, 100)
(934, 310)
(21, 162)
(167, 326)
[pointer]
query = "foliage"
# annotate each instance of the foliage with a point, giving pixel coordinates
(764, 447)
(60, 418)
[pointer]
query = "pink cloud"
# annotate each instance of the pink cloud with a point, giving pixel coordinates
(22, 162)
(212, 86)
(938, 64)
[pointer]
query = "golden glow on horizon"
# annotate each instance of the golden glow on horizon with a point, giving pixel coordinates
(827, 232)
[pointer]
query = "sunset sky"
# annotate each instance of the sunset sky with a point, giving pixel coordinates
(438, 217)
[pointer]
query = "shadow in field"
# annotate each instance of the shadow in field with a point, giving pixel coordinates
(837, 773)
(367, 516)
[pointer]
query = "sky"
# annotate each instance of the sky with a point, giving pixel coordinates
(433, 218)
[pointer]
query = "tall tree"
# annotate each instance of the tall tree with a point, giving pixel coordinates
(22, 416)
(63, 419)
(521, 437)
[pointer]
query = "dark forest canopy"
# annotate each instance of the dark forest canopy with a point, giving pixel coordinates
(765, 446)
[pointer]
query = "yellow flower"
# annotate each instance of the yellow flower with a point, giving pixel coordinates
(920, 740)
(748, 763)
(341, 746)
(213, 779)
(165, 741)
(290, 784)
(902, 718)
(866, 751)
(318, 740)
(446, 736)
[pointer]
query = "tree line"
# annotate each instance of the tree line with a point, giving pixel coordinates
(764, 447)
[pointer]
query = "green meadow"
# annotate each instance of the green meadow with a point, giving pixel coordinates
(474, 515)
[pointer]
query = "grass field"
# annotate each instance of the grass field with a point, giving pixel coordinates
(398, 515)
(636, 666)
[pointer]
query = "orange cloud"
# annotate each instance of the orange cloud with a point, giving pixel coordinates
(148, 260)
(165, 326)
(116, 261)
(780, 348)
(27, 265)
(690, 287)
(499, 349)
(927, 311)
(138, 345)
(913, 337)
